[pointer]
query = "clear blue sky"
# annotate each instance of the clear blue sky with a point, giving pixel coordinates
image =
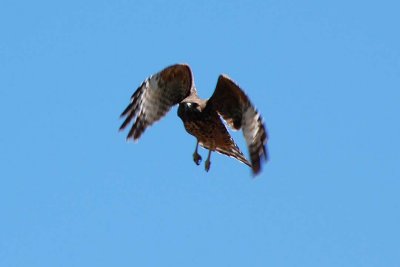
(324, 74)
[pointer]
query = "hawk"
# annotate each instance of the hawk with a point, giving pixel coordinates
(202, 118)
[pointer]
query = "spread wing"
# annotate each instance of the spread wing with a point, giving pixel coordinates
(155, 97)
(236, 109)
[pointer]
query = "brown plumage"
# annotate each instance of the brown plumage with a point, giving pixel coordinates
(201, 118)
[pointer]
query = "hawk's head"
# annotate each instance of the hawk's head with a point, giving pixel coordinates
(188, 110)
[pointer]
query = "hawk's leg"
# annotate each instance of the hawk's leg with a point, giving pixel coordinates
(196, 156)
(208, 162)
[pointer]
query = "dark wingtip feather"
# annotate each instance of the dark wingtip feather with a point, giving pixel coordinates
(134, 100)
(137, 129)
(127, 109)
(127, 121)
(124, 124)
(266, 155)
(256, 169)
(257, 158)
(130, 134)
(138, 132)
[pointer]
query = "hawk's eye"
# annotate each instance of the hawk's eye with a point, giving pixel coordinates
(191, 105)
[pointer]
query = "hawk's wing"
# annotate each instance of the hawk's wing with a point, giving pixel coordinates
(155, 97)
(236, 109)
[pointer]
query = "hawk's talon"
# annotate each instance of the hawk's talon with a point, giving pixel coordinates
(207, 165)
(196, 158)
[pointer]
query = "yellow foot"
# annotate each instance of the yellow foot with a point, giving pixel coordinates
(196, 158)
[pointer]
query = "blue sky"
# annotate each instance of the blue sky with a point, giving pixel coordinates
(325, 76)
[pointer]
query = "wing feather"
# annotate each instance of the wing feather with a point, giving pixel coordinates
(236, 109)
(155, 97)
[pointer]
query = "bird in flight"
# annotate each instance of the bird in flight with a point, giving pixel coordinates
(201, 118)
